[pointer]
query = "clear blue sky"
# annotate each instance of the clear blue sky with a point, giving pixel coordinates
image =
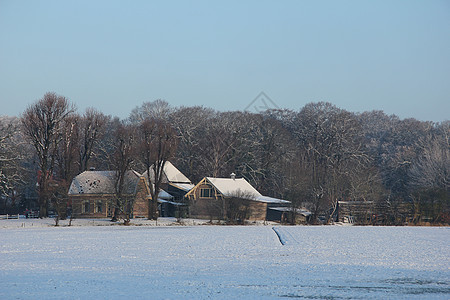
(114, 55)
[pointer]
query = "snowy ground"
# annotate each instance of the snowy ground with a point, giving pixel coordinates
(22, 222)
(223, 262)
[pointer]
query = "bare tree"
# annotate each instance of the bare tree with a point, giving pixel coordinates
(432, 167)
(237, 207)
(106, 145)
(14, 154)
(189, 123)
(67, 151)
(42, 124)
(313, 157)
(123, 157)
(261, 153)
(391, 143)
(154, 110)
(58, 197)
(10, 155)
(219, 140)
(93, 125)
(332, 150)
(66, 168)
(157, 145)
(429, 176)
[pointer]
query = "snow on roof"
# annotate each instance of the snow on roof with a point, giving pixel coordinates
(171, 174)
(239, 186)
(268, 199)
(170, 202)
(301, 211)
(164, 195)
(102, 182)
(184, 186)
(232, 187)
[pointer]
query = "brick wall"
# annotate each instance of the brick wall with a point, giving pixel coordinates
(140, 207)
(258, 210)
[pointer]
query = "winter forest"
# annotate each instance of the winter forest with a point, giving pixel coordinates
(313, 157)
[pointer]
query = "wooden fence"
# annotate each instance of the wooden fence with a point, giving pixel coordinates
(7, 216)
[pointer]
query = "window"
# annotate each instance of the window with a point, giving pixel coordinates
(85, 207)
(110, 207)
(98, 206)
(206, 193)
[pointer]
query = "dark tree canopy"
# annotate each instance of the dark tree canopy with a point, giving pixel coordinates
(315, 157)
(43, 125)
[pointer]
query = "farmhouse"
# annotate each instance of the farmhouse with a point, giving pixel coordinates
(91, 194)
(229, 198)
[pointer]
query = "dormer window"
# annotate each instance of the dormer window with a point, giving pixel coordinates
(206, 193)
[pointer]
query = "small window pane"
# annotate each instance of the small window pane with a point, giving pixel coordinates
(206, 193)
(86, 207)
(99, 206)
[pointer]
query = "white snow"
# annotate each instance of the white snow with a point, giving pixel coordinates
(184, 186)
(172, 175)
(223, 262)
(268, 199)
(232, 187)
(22, 222)
(164, 195)
(101, 182)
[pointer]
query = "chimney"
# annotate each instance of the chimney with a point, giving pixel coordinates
(233, 176)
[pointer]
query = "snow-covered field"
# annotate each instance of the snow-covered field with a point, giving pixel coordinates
(223, 262)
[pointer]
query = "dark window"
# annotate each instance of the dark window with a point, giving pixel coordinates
(99, 206)
(206, 193)
(86, 206)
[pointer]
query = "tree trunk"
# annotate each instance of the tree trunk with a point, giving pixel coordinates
(116, 214)
(152, 209)
(43, 202)
(43, 208)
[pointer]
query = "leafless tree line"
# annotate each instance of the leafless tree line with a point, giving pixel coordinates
(314, 157)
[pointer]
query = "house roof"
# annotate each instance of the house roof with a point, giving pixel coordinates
(170, 174)
(170, 202)
(164, 195)
(174, 175)
(231, 187)
(268, 199)
(183, 186)
(102, 182)
(300, 211)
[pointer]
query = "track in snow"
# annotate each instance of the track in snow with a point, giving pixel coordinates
(284, 236)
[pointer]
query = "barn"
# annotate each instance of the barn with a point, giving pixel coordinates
(229, 198)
